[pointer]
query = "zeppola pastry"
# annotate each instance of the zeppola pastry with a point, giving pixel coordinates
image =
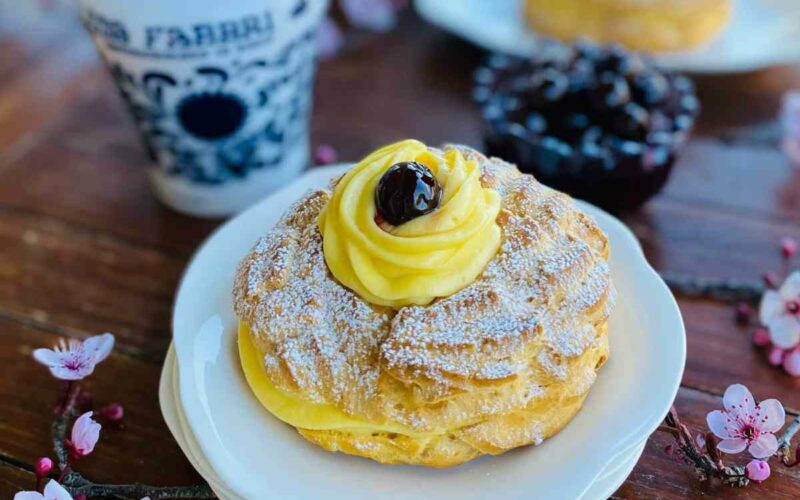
(646, 25)
(431, 306)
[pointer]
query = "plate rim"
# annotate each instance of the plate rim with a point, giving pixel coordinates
(685, 61)
(168, 396)
(195, 421)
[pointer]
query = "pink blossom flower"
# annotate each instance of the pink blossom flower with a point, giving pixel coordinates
(85, 433)
(746, 425)
(780, 312)
(375, 15)
(329, 39)
(791, 362)
(52, 491)
(75, 359)
(757, 470)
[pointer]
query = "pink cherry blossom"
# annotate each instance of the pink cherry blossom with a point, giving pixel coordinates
(85, 433)
(75, 359)
(746, 425)
(52, 491)
(757, 470)
(780, 312)
(375, 15)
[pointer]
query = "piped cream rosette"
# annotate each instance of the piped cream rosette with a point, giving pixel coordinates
(434, 255)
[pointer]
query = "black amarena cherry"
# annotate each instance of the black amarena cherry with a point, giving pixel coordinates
(406, 191)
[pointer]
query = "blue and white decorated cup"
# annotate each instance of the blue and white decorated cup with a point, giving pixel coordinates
(220, 90)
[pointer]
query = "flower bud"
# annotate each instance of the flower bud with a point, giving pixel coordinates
(770, 281)
(743, 313)
(112, 412)
(775, 356)
(788, 247)
(757, 470)
(325, 154)
(761, 337)
(43, 467)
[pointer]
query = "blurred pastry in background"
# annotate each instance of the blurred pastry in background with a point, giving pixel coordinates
(644, 25)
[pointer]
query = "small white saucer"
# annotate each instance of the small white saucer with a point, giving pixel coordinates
(257, 456)
(762, 33)
(606, 484)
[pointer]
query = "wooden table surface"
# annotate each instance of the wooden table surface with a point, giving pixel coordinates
(85, 248)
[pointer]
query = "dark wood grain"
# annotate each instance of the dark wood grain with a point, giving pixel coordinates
(143, 451)
(85, 247)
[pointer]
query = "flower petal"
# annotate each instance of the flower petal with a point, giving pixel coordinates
(765, 446)
(85, 433)
(738, 401)
(770, 416)
(48, 357)
(716, 421)
(732, 446)
(64, 373)
(28, 495)
(54, 491)
(790, 290)
(784, 330)
(99, 347)
(771, 306)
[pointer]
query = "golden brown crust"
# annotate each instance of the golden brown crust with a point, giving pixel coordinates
(646, 25)
(505, 362)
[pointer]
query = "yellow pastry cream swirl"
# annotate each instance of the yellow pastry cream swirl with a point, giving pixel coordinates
(434, 255)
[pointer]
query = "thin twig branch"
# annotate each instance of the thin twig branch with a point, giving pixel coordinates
(76, 484)
(718, 289)
(709, 464)
(785, 444)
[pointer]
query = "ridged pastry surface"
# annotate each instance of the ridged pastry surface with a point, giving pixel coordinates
(505, 362)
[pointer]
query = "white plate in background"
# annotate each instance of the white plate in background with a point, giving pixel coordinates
(762, 33)
(258, 456)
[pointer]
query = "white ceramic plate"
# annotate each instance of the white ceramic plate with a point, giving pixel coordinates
(762, 33)
(260, 457)
(175, 418)
(606, 484)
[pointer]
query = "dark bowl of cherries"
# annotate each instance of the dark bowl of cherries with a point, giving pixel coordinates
(597, 122)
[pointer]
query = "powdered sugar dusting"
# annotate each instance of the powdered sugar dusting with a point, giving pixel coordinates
(495, 348)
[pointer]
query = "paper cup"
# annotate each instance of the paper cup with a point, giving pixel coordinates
(220, 90)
